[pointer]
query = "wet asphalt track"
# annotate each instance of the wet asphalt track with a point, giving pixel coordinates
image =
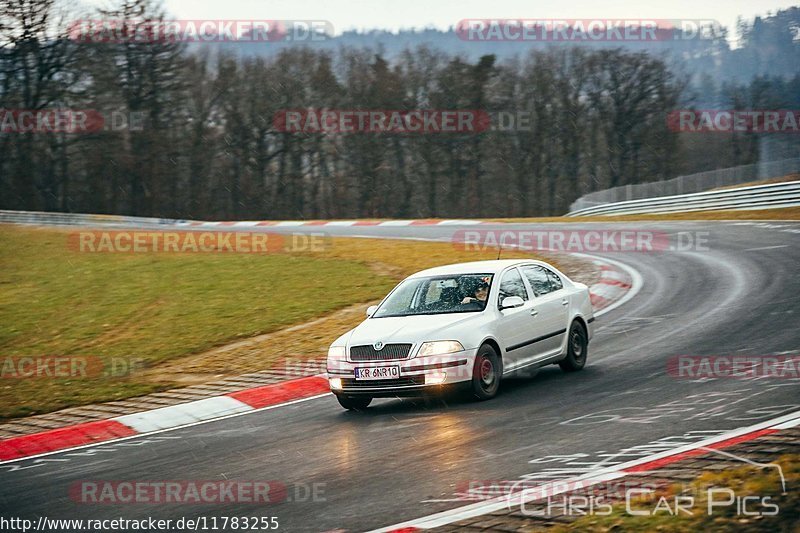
(740, 297)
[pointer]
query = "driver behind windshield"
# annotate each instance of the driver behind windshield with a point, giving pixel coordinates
(479, 294)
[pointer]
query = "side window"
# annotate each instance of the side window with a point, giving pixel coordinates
(512, 285)
(537, 277)
(555, 281)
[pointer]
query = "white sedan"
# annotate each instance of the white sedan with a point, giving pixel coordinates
(466, 324)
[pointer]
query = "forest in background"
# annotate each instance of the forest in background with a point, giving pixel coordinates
(206, 146)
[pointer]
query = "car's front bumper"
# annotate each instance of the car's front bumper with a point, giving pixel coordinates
(418, 375)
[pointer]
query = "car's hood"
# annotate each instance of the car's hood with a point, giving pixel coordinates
(411, 328)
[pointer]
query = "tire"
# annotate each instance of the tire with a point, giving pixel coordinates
(577, 348)
(486, 373)
(354, 403)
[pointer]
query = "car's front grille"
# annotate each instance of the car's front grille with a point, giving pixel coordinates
(389, 352)
(408, 381)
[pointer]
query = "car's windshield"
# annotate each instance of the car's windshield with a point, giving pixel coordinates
(457, 293)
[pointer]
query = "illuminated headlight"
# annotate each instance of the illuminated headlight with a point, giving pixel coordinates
(439, 348)
(435, 379)
(336, 383)
(336, 352)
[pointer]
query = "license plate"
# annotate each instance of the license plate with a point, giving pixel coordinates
(377, 372)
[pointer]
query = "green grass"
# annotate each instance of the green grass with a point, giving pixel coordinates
(153, 307)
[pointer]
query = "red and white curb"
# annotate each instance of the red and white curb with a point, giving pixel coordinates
(346, 223)
(618, 283)
(165, 418)
(600, 475)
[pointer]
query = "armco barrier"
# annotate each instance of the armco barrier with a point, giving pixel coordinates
(689, 184)
(80, 219)
(756, 197)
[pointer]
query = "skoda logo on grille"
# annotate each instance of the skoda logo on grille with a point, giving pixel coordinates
(378, 346)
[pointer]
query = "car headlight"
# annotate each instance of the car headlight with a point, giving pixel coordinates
(439, 348)
(337, 352)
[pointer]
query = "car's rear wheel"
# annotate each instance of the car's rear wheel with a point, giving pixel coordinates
(486, 373)
(577, 348)
(354, 403)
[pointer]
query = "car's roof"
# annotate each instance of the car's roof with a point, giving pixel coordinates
(475, 267)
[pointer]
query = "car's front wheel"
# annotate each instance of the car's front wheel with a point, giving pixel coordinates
(486, 373)
(354, 403)
(577, 347)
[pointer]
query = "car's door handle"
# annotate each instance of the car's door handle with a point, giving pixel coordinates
(564, 302)
(534, 312)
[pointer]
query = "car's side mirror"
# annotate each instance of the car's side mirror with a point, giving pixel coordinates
(371, 310)
(511, 301)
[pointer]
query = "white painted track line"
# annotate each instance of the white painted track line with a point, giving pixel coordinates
(596, 476)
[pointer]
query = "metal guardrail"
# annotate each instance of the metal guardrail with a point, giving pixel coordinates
(692, 183)
(755, 197)
(80, 219)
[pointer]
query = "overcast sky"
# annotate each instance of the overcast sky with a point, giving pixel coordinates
(399, 14)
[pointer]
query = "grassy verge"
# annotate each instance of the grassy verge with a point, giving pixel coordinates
(167, 313)
(745, 481)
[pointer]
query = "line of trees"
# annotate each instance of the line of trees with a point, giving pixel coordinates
(208, 149)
